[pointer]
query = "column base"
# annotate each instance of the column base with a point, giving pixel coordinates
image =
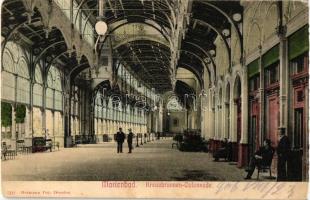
(234, 155)
(242, 155)
(211, 145)
(68, 141)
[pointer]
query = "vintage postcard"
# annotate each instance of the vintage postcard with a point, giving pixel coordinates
(161, 99)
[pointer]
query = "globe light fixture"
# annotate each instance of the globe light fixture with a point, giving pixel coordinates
(101, 27)
(212, 52)
(226, 32)
(237, 17)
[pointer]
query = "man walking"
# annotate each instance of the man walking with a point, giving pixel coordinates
(120, 137)
(129, 140)
(283, 154)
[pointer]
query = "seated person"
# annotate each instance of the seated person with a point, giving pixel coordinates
(178, 138)
(222, 152)
(260, 157)
(230, 151)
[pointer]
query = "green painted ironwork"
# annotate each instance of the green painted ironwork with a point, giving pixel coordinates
(6, 114)
(253, 68)
(298, 43)
(271, 56)
(20, 113)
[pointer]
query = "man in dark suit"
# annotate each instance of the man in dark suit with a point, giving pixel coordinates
(158, 135)
(120, 137)
(283, 150)
(129, 140)
(261, 157)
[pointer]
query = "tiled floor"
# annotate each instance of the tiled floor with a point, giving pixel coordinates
(155, 160)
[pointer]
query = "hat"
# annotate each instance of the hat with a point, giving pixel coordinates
(282, 130)
(268, 141)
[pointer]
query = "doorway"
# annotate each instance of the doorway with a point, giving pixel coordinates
(273, 124)
(295, 173)
(254, 129)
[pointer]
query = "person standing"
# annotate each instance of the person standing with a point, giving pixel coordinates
(129, 140)
(120, 137)
(283, 150)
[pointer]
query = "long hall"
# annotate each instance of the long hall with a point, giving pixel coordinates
(155, 161)
(200, 89)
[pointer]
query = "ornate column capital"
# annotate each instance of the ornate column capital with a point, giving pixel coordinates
(281, 32)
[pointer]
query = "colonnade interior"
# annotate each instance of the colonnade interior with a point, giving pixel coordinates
(222, 69)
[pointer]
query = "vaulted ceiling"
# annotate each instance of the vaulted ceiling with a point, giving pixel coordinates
(47, 45)
(151, 59)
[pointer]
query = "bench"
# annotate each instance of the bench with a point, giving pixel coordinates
(26, 149)
(7, 153)
(40, 144)
(177, 140)
(21, 148)
(106, 138)
(10, 155)
(50, 144)
(175, 144)
(221, 153)
(19, 145)
(193, 142)
(55, 144)
(74, 144)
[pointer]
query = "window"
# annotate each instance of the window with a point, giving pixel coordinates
(272, 74)
(38, 87)
(88, 32)
(15, 74)
(54, 90)
(64, 5)
(254, 83)
(110, 107)
(300, 96)
(98, 105)
(299, 64)
(23, 84)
